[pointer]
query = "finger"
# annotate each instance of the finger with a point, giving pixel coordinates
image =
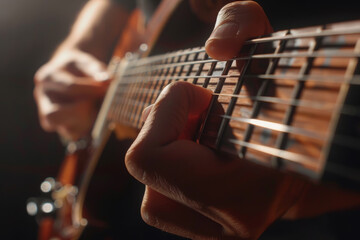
(166, 120)
(92, 67)
(155, 153)
(63, 86)
(236, 23)
(195, 176)
(194, 101)
(71, 120)
(168, 215)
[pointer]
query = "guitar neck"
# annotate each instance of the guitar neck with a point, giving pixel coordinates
(279, 103)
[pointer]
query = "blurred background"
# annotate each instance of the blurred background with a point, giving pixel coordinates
(29, 32)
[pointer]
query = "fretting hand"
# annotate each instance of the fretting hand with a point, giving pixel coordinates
(191, 190)
(67, 90)
(70, 86)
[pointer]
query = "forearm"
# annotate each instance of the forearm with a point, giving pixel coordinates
(97, 28)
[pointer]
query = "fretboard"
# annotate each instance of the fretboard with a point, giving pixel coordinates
(278, 103)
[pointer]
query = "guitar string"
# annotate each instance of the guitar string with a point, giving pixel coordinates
(266, 124)
(150, 68)
(273, 151)
(259, 56)
(277, 127)
(261, 123)
(324, 33)
(284, 154)
(354, 80)
(325, 107)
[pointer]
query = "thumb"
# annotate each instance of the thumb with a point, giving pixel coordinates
(236, 22)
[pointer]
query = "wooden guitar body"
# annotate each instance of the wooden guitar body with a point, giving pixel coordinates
(289, 102)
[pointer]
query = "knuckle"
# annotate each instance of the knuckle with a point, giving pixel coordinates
(179, 86)
(149, 214)
(41, 75)
(134, 162)
(52, 117)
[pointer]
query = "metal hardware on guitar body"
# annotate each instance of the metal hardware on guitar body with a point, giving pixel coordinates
(43, 206)
(56, 199)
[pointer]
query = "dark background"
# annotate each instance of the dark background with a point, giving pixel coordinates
(29, 32)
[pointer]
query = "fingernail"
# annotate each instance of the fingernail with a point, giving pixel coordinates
(226, 30)
(102, 76)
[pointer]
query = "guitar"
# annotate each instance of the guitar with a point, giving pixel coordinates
(288, 102)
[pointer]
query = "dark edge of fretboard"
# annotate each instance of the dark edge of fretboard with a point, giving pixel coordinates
(343, 162)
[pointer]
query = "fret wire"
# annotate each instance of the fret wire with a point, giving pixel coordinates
(125, 117)
(149, 97)
(182, 67)
(290, 156)
(210, 71)
(209, 74)
(132, 109)
(256, 56)
(230, 108)
(119, 108)
(200, 69)
(159, 85)
(282, 139)
(214, 98)
(127, 111)
(114, 106)
(162, 81)
(130, 88)
(257, 104)
(134, 112)
(279, 127)
(189, 71)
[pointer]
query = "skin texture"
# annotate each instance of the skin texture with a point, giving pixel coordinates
(197, 193)
(188, 185)
(190, 190)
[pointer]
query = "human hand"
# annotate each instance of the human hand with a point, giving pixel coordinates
(67, 91)
(191, 190)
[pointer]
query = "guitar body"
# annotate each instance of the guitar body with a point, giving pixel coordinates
(106, 199)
